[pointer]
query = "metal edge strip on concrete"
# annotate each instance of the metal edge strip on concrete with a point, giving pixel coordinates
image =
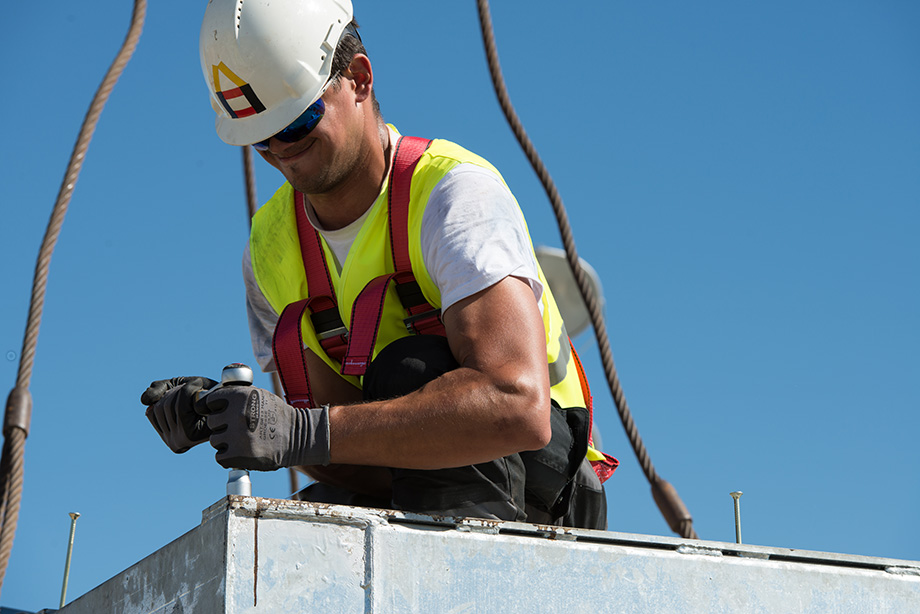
(258, 555)
(284, 508)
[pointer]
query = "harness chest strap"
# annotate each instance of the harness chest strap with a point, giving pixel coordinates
(353, 351)
(367, 310)
(287, 341)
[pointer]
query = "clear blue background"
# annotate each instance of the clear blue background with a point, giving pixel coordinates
(744, 176)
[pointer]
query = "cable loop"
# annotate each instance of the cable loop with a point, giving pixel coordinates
(678, 519)
(11, 466)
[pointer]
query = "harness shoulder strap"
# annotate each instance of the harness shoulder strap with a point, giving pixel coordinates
(287, 341)
(367, 310)
(353, 350)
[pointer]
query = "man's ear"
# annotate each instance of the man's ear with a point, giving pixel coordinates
(361, 73)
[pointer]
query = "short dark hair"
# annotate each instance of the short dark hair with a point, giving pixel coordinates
(349, 45)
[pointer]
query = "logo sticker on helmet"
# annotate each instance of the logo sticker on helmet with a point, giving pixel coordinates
(240, 100)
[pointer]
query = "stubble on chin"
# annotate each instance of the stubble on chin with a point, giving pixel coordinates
(333, 173)
(319, 182)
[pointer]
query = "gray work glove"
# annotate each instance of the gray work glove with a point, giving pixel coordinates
(252, 428)
(171, 411)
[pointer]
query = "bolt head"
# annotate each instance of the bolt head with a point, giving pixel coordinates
(736, 495)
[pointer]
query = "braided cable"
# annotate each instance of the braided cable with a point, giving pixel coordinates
(252, 206)
(249, 174)
(11, 480)
(14, 446)
(665, 496)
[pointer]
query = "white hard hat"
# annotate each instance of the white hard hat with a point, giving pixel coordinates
(266, 61)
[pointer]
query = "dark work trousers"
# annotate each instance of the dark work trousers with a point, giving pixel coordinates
(555, 485)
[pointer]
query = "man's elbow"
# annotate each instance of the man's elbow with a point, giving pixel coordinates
(530, 412)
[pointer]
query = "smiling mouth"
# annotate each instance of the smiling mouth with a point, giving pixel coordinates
(297, 154)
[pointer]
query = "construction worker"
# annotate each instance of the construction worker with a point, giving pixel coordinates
(393, 284)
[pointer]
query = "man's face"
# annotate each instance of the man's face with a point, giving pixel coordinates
(330, 153)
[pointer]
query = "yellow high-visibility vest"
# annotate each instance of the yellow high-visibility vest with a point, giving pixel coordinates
(278, 267)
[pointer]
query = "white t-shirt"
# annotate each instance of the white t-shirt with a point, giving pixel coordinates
(473, 235)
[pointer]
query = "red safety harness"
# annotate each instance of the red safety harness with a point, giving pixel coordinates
(355, 350)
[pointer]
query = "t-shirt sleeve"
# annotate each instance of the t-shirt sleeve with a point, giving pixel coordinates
(261, 316)
(474, 235)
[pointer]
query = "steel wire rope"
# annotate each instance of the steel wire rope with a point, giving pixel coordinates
(665, 495)
(249, 175)
(18, 407)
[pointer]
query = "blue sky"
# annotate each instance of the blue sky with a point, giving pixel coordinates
(745, 178)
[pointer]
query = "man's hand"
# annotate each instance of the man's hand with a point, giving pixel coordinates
(253, 429)
(171, 411)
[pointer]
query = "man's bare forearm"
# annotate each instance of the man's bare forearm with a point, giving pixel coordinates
(496, 403)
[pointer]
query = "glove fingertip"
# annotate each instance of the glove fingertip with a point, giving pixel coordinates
(213, 405)
(154, 392)
(201, 406)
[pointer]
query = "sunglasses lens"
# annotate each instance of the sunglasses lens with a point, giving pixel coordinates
(299, 128)
(303, 125)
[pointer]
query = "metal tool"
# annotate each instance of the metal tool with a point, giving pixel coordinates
(238, 483)
(235, 374)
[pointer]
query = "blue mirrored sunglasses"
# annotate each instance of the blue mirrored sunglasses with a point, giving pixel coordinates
(299, 128)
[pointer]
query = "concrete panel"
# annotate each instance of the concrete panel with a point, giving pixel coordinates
(453, 571)
(279, 565)
(266, 555)
(186, 575)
